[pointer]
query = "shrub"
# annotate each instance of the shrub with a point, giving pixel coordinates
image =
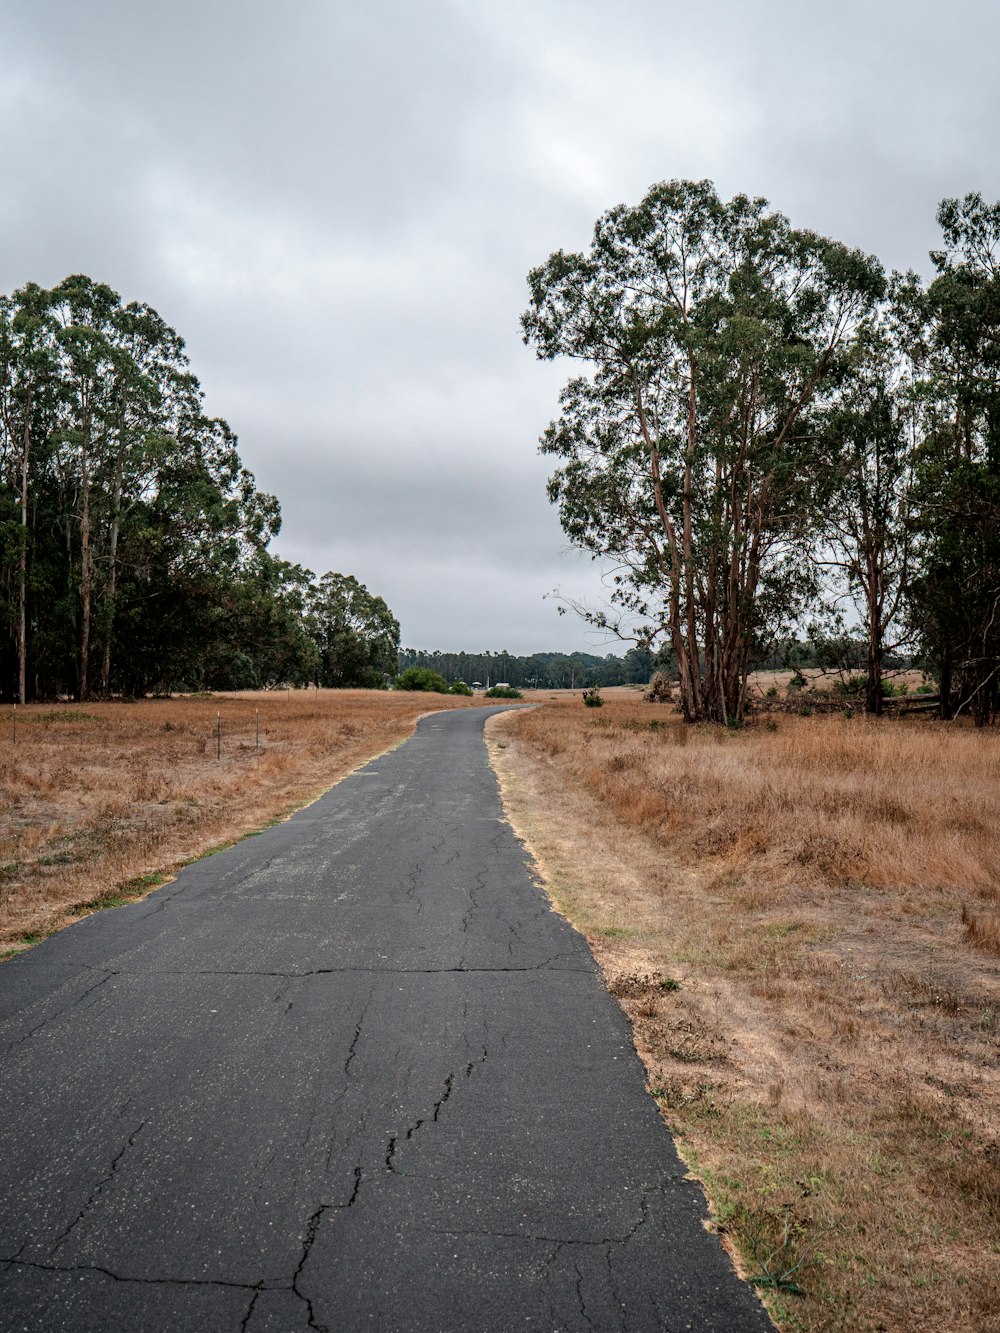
(503, 692)
(852, 685)
(660, 690)
(460, 687)
(859, 684)
(421, 678)
(592, 698)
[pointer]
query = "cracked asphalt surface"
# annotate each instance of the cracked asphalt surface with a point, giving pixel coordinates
(352, 1073)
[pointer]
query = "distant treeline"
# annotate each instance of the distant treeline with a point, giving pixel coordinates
(550, 671)
(133, 543)
(841, 653)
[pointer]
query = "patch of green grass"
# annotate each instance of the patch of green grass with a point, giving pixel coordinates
(129, 892)
(780, 930)
(613, 932)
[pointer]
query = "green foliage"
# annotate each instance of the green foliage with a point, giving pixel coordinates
(422, 678)
(355, 634)
(855, 685)
(544, 670)
(133, 543)
(955, 598)
(592, 698)
(851, 685)
(708, 333)
(460, 687)
(504, 692)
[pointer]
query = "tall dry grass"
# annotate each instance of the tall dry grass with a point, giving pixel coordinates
(910, 810)
(800, 920)
(98, 800)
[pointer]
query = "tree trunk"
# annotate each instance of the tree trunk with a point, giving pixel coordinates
(693, 663)
(22, 606)
(873, 688)
(112, 585)
(946, 703)
(85, 579)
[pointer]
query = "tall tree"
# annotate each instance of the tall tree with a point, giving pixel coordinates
(84, 311)
(955, 604)
(356, 635)
(710, 330)
(133, 542)
(27, 388)
(864, 532)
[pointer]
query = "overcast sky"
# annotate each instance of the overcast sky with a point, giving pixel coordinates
(337, 204)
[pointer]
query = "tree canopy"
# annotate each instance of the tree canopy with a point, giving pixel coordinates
(134, 544)
(763, 425)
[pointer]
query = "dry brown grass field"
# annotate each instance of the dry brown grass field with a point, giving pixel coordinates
(802, 920)
(99, 801)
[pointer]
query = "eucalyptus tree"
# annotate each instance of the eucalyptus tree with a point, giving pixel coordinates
(955, 602)
(27, 387)
(708, 332)
(355, 633)
(84, 312)
(151, 389)
(194, 546)
(864, 525)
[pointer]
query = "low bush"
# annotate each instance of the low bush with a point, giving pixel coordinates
(460, 687)
(859, 684)
(592, 698)
(421, 678)
(503, 692)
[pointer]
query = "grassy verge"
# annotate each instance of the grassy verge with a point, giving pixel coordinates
(97, 803)
(784, 913)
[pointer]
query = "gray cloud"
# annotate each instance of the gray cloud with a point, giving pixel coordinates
(336, 204)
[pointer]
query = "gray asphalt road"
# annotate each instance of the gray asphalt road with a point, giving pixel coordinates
(352, 1073)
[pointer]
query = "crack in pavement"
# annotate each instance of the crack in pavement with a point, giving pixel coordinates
(333, 971)
(279, 1284)
(52, 1018)
(579, 1294)
(312, 1227)
(249, 1313)
(561, 1241)
(96, 1193)
(449, 1087)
